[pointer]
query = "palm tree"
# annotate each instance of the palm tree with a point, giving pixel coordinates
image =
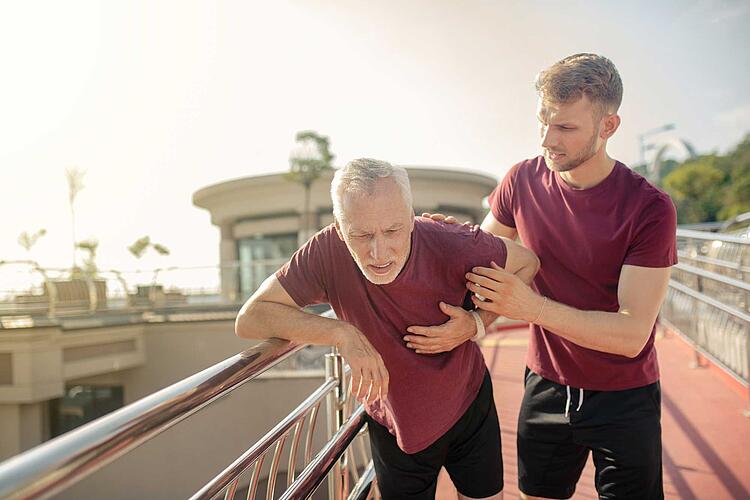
(27, 240)
(75, 185)
(310, 157)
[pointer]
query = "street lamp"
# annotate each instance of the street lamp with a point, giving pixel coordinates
(642, 139)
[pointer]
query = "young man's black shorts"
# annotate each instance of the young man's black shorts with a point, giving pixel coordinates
(470, 452)
(621, 428)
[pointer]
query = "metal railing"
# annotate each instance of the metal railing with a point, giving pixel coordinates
(336, 456)
(56, 465)
(28, 289)
(708, 300)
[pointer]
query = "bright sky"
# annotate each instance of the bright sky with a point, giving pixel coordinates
(158, 99)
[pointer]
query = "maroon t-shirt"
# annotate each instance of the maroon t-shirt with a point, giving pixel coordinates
(583, 238)
(427, 393)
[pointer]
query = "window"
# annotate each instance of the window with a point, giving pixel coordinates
(81, 404)
(260, 256)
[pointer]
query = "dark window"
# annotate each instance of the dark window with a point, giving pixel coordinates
(81, 404)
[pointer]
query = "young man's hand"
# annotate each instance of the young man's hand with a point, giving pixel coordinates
(442, 218)
(369, 379)
(505, 293)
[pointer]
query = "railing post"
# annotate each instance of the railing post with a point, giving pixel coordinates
(700, 330)
(747, 366)
(338, 478)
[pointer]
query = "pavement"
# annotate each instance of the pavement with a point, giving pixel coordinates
(705, 434)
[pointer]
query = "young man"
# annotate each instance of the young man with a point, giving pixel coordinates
(381, 270)
(606, 240)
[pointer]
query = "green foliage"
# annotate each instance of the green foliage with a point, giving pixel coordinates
(711, 187)
(667, 166)
(139, 247)
(89, 263)
(74, 177)
(311, 157)
(738, 191)
(27, 240)
(696, 188)
(160, 249)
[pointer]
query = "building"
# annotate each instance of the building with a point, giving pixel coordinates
(261, 218)
(60, 370)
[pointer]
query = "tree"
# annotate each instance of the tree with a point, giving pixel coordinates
(27, 240)
(74, 177)
(712, 187)
(139, 247)
(737, 200)
(89, 263)
(310, 157)
(696, 188)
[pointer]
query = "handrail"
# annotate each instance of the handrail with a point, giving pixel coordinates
(52, 466)
(726, 280)
(363, 488)
(710, 301)
(704, 235)
(244, 461)
(726, 264)
(309, 479)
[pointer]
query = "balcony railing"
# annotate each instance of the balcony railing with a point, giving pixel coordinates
(29, 290)
(56, 465)
(708, 300)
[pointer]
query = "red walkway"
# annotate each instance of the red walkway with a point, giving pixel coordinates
(706, 437)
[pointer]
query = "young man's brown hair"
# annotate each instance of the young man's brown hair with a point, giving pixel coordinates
(571, 78)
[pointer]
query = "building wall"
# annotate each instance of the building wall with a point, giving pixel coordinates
(180, 460)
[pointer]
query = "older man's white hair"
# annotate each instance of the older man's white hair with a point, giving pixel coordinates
(360, 176)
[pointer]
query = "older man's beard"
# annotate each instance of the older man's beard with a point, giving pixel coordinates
(588, 152)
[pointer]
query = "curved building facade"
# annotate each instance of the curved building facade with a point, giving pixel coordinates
(263, 220)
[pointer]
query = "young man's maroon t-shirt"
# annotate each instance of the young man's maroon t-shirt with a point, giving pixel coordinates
(583, 238)
(427, 393)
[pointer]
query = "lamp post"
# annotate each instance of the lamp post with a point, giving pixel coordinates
(642, 139)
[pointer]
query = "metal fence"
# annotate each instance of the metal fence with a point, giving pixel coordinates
(28, 289)
(708, 298)
(58, 464)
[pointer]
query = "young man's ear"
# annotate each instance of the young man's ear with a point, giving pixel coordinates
(610, 126)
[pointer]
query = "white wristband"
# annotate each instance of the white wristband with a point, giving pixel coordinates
(481, 332)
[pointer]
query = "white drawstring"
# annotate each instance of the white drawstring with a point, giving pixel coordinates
(567, 402)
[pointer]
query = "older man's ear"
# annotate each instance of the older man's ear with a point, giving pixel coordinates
(338, 229)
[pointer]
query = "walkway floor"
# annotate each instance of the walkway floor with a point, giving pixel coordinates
(706, 437)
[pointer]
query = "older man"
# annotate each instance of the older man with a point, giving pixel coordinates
(382, 270)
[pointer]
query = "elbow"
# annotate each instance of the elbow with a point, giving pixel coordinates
(239, 329)
(535, 264)
(636, 346)
(632, 353)
(242, 324)
(531, 267)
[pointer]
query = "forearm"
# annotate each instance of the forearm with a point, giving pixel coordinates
(611, 332)
(488, 317)
(263, 320)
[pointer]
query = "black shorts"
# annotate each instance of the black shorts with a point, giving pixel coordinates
(621, 428)
(470, 452)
